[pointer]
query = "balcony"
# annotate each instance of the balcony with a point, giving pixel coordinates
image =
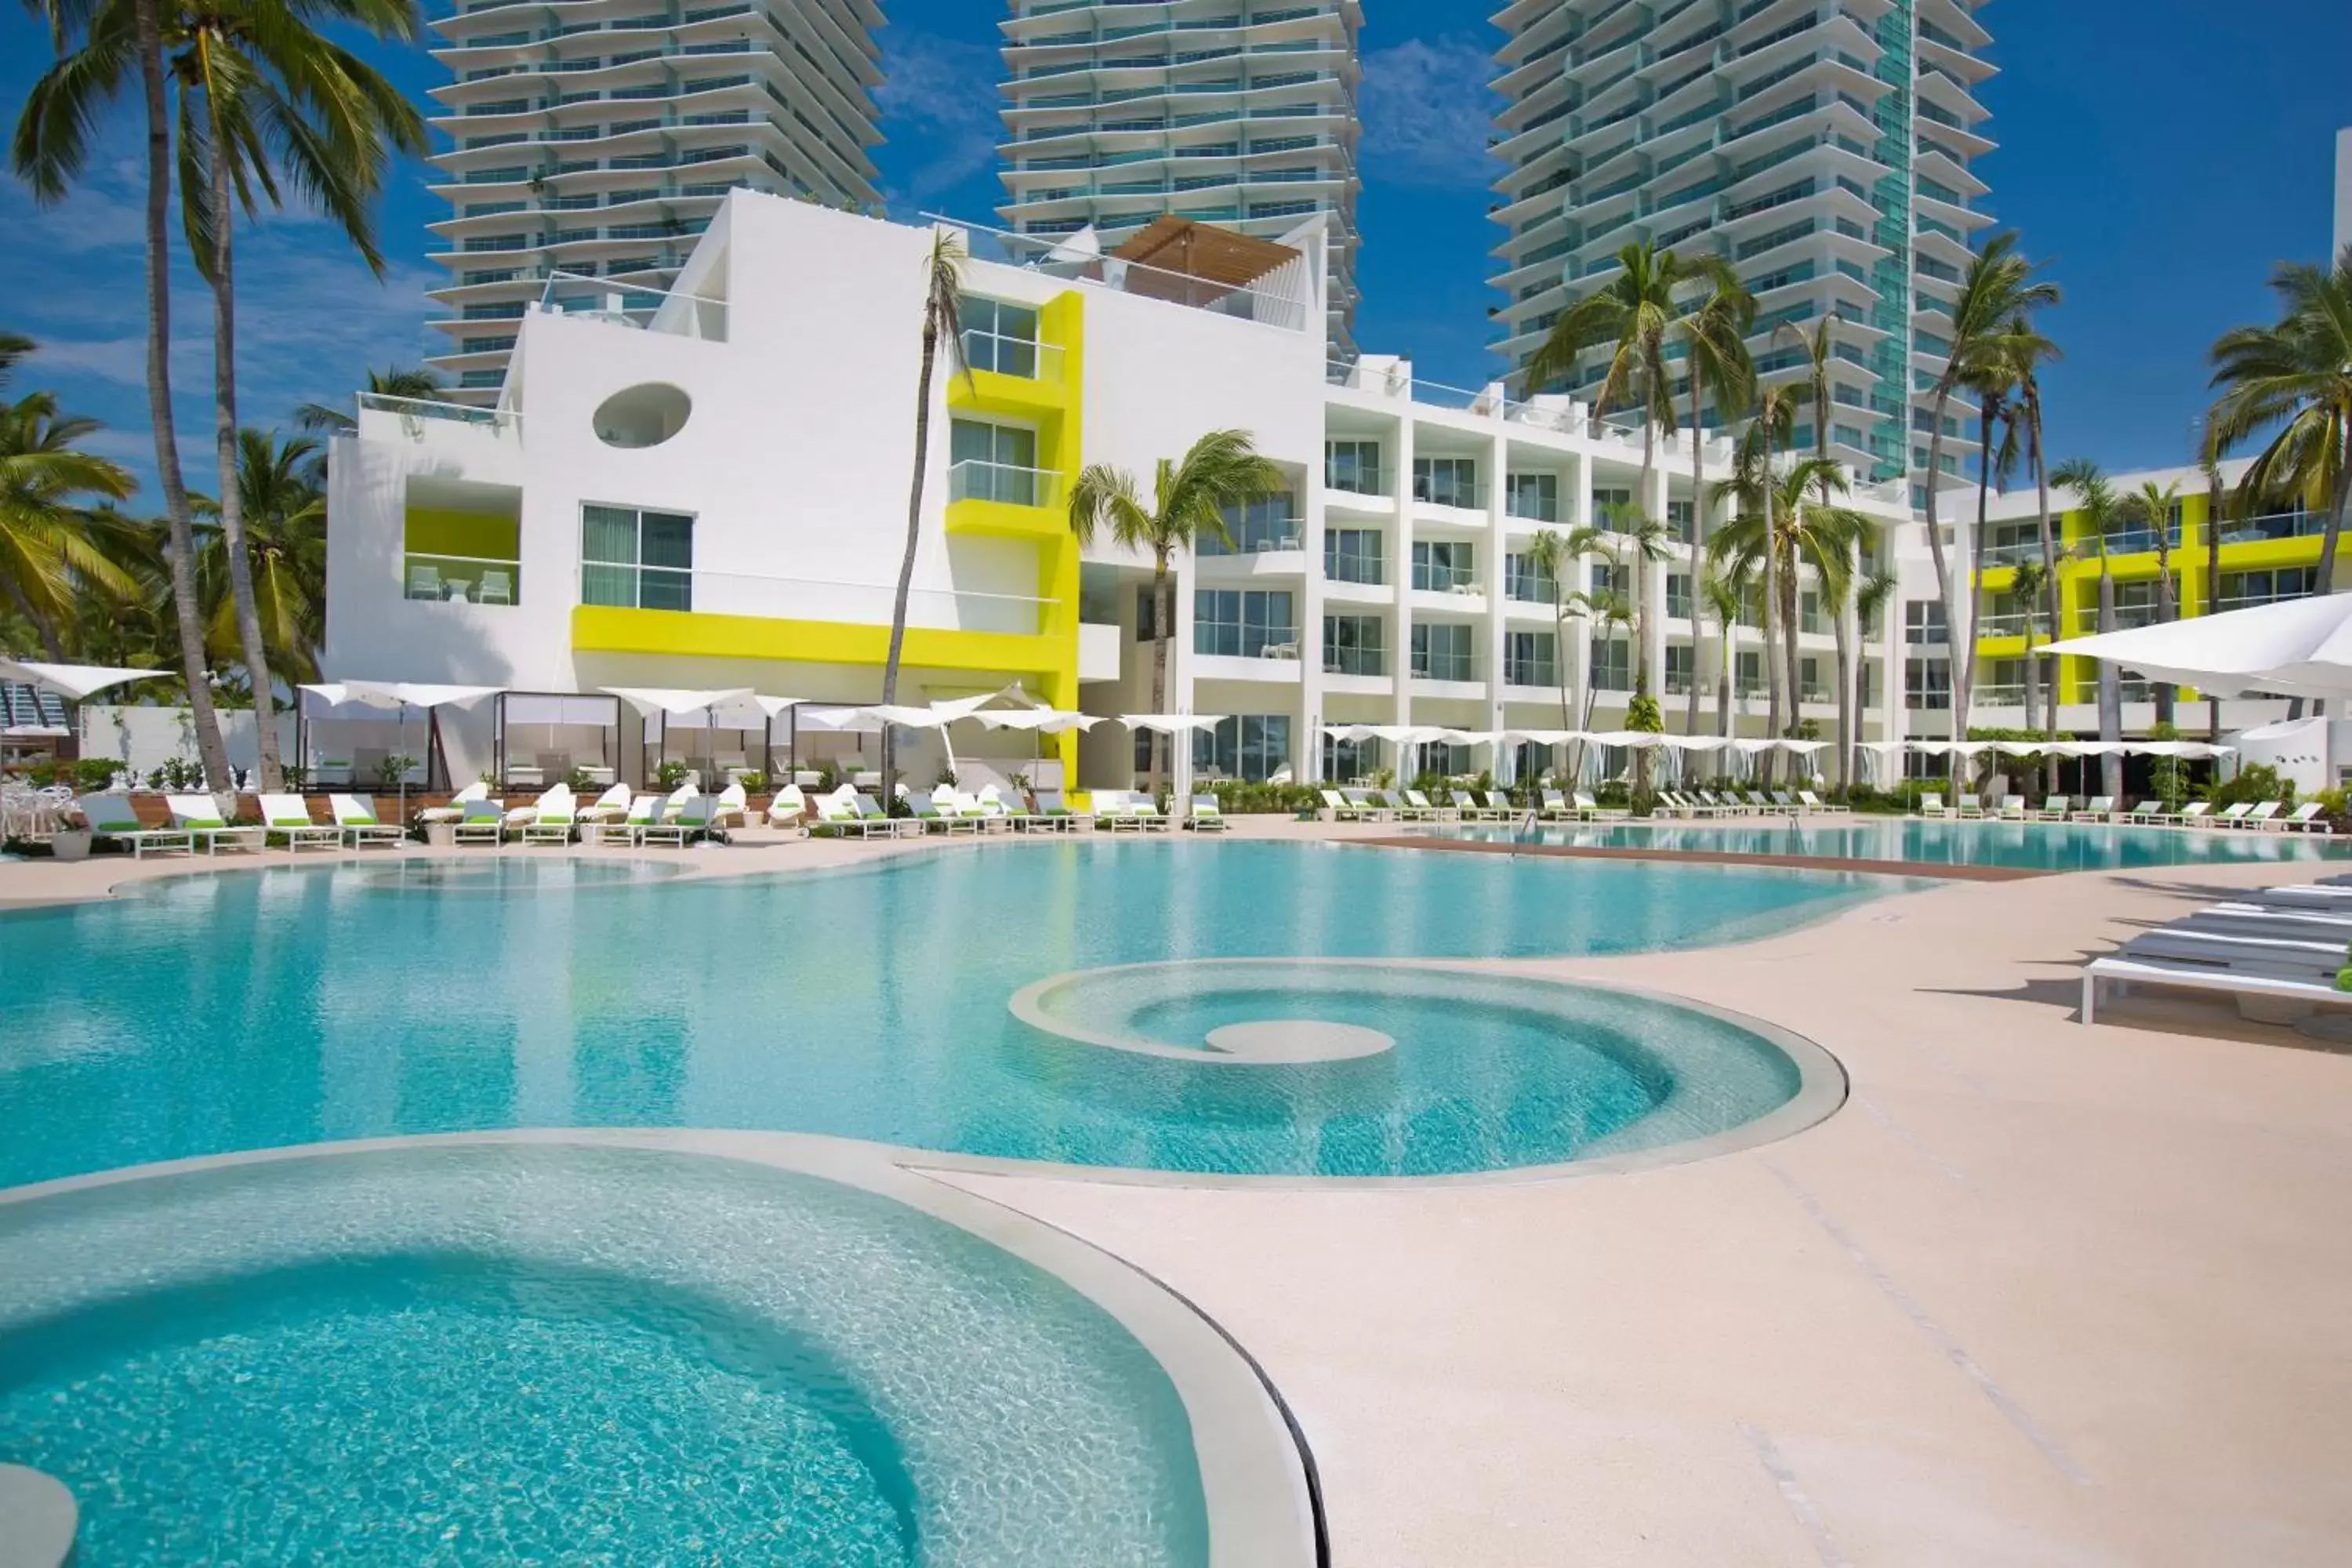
(1005, 499)
(460, 579)
(1350, 478)
(694, 612)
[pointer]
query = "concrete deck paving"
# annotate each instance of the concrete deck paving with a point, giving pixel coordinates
(2039, 1294)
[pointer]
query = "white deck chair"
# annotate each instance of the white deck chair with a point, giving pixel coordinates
(456, 810)
(613, 806)
(200, 818)
(552, 818)
(290, 814)
(110, 817)
(696, 818)
(789, 808)
(355, 819)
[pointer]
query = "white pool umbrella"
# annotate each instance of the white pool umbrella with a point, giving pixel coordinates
(2298, 647)
(75, 681)
(648, 700)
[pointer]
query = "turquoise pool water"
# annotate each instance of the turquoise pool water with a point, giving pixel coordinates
(248, 1010)
(571, 1355)
(2030, 846)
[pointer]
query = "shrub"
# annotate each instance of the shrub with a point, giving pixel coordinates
(1238, 798)
(2254, 783)
(670, 775)
(577, 781)
(755, 783)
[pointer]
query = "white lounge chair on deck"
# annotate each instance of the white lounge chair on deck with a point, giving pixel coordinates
(355, 819)
(2012, 808)
(2196, 814)
(1970, 807)
(200, 817)
(2098, 808)
(734, 807)
(1933, 806)
(1057, 816)
(696, 820)
(2146, 811)
(290, 814)
(1203, 814)
(613, 806)
(2228, 817)
(2264, 817)
(552, 817)
(484, 822)
(2304, 818)
(2053, 808)
(1591, 810)
(788, 808)
(456, 810)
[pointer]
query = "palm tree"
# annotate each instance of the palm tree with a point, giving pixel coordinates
(98, 48)
(264, 95)
(1876, 590)
(1725, 596)
(1189, 499)
(1989, 322)
(49, 554)
(411, 381)
(2157, 505)
(2026, 584)
(14, 346)
(1632, 313)
(942, 320)
(1609, 612)
(1752, 464)
(285, 531)
(2026, 352)
(2101, 509)
(1794, 531)
(1714, 331)
(1996, 465)
(2209, 458)
(1553, 554)
(1818, 350)
(2296, 375)
(1631, 537)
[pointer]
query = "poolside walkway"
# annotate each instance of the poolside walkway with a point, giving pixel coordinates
(2039, 1294)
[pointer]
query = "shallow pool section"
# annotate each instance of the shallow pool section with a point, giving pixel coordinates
(1367, 1063)
(285, 1006)
(2023, 845)
(461, 1354)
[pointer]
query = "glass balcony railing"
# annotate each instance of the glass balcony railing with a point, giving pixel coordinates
(460, 579)
(1022, 357)
(1355, 478)
(1004, 483)
(1436, 579)
(1440, 489)
(1354, 660)
(2013, 624)
(1353, 567)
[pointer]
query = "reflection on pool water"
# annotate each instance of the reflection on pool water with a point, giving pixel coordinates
(289, 1006)
(463, 1355)
(2027, 846)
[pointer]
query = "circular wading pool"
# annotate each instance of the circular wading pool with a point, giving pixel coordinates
(460, 1352)
(1322, 1067)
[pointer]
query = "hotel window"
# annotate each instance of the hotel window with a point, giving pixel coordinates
(1000, 336)
(1446, 759)
(1926, 683)
(1751, 674)
(1251, 746)
(2241, 589)
(1923, 622)
(1346, 760)
(1355, 645)
(1679, 675)
(1354, 555)
(1147, 614)
(1529, 658)
(1441, 566)
(1353, 466)
(1608, 506)
(1446, 481)
(1525, 579)
(1613, 664)
(1679, 519)
(992, 462)
(636, 560)
(1270, 523)
(1679, 595)
(1243, 624)
(1440, 651)
(1535, 497)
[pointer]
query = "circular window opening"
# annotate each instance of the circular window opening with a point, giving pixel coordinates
(643, 415)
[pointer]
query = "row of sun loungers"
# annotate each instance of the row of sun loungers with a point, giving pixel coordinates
(2275, 946)
(2267, 816)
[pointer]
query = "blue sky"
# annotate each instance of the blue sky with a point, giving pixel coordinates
(2163, 156)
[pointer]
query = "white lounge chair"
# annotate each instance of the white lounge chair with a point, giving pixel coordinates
(1057, 814)
(290, 814)
(1810, 804)
(2098, 808)
(1933, 806)
(2203, 975)
(1591, 810)
(2228, 817)
(355, 819)
(1416, 807)
(1370, 804)
(734, 807)
(200, 818)
(610, 807)
(877, 821)
(2264, 816)
(2196, 814)
(645, 811)
(2012, 808)
(2148, 812)
(456, 810)
(1970, 807)
(1201, 815)
(2053, 808)
(941, 810)
(698, 819)
(484, 822)
(552, 817)
(788, 808)
(2304, 818)
(110, 817)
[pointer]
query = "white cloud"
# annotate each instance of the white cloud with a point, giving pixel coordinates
(1428, 110)
(944, 91)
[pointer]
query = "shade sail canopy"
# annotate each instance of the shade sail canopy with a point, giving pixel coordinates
(2300, 647)
(1171, 723)
(1044, 721)
(650, 701)
(398, 693)
(76, 680)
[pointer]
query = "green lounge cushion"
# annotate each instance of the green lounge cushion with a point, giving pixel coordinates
(204, 824)
(291, 822)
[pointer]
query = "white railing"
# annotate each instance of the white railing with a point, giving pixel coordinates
(411, 415)
(769, 596)
(461, 578)
(635, 305)
(1278, 298)
(1025, 358)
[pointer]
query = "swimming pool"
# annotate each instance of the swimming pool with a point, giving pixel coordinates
(535, 1353)
(291, 1005)
(2025, 846)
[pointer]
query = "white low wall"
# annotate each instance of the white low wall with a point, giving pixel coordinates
(144, 739)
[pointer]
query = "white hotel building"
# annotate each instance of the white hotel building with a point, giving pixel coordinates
(713, 496)
(594, 139)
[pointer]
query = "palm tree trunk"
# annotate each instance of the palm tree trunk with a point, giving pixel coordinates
(147, 22)
(232, 500)
(1793, 664)
(2111, 693)
(1770, 611)
(40, 622)
(2033, 678)
(1723, 684)
(1845, 711)
(1976, 545)
(1699, 533)
(1642, 566)
(1163, 612)
(1559, 649)
(1953, 629)
(2031, 391)
(2212, 583)
(2164, 610)
(907, 562)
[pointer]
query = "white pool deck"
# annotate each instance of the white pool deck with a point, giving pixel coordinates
(2039, 1294)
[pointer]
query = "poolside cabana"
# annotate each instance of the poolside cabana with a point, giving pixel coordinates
(657, 705)
(363, 702)
(538, 737)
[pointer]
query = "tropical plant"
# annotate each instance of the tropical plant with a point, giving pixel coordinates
(1752, 464)
(1554, 555)
(411, 381)
(2026, 352)
(1991, 387)
(98, 46)
(2209, 458)
(1635, 542)
(2295, 375)
(2101, 509)
(1991, 330)
(1189, 499)
(1724, 595)
(942, 321)
(49, 548)
(1790, 530)
(2156, 506)
(14, 346)
(286, 533)
(1870, 596)
(2026, 584)
(1714, 330)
